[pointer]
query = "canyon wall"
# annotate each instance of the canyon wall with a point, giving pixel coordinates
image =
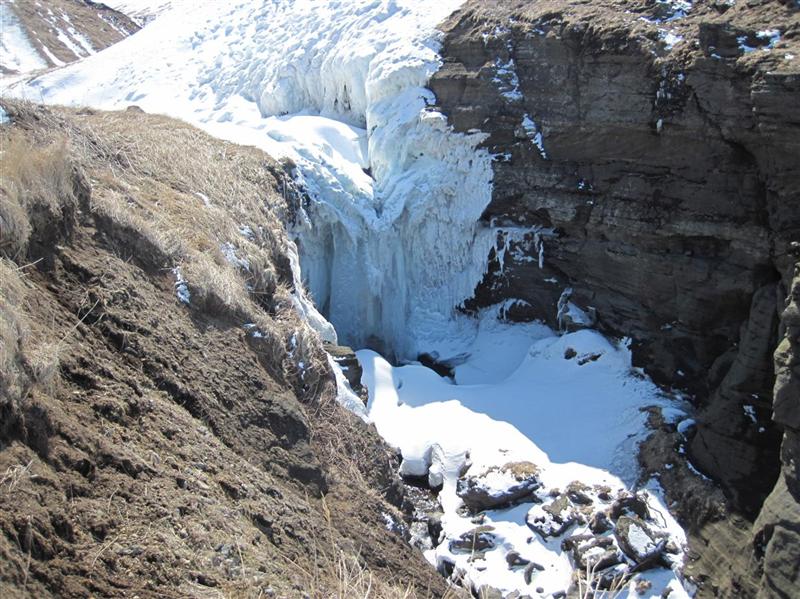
(650, 150)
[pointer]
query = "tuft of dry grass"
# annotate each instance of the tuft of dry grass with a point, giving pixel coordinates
(168, 195)
(34, 179)
(14, 333)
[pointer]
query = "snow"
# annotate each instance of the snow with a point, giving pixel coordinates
(640, 541)
(771, 36)
(669, 38)
(143, 11)
(75, 41)
(684, 426)
(229, 252)
(506, 80)
(181, 288)
(16, 50)
(534, 134)
(344, 393)
(4, 116)
(768, 37)
(574, 422)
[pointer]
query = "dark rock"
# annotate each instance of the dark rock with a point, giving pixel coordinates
(480, 493)
(552, 519)
(592, 552)
(670, 185)
(629, 505)
(727, 444)
(599, 523)
(577, 493)
(477, 540)
(514, 559)
(435, 527)
(487, 592)
(776, 532)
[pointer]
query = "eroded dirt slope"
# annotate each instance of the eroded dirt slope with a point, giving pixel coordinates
(169, 427)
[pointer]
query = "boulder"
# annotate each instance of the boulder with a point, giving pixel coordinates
(639, 542)
(552, 519)
(497, 487)
(590, 551)
(629, 505)
(477, 540)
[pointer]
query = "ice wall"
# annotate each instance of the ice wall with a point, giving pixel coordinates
(391, 246)
(388, 264)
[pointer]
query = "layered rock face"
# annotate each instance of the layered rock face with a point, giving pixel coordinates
(777, 529)
(646, 156)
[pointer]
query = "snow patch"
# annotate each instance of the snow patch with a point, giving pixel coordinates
(17, 53)
(534, 134)
(181, 288)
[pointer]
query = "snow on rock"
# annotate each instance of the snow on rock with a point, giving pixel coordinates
(498, 486)
(574, 422)
(181, 287)
(143, 11)
(344, 393)
(534, 134)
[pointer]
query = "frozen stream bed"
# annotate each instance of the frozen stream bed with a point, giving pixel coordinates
(534, 442)
(570, 408)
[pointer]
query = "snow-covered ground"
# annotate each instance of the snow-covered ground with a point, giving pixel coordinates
(389, 244)
(570, 404)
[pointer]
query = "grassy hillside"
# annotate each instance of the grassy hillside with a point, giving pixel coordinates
(169, 425)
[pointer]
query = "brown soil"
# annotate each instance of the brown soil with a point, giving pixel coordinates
(169, 452)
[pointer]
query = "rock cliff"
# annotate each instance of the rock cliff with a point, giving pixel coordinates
(646, 158)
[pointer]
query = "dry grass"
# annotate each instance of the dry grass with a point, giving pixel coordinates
(33, 179)
(168, 195)
(165, 195)
(14, 333)
(25, 360)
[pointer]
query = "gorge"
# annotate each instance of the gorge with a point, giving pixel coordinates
(585, 215)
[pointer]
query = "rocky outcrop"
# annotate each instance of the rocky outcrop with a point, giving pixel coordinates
(646, 163)
(777, 529)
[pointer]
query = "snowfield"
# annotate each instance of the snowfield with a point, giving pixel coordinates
(389, 244)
